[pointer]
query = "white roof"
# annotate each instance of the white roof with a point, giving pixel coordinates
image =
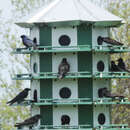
(72, 12)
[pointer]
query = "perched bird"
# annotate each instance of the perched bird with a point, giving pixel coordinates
(28, 42)
(108, 40)
(104, 92)
(20, 97)
(65, 120)
(121, 65)
(113, 67)
(101, 93)
(63, 68)
(29, 122)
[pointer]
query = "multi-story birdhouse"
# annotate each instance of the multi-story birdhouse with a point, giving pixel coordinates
(72, 30)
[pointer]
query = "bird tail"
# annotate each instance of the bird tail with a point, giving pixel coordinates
(111, 41)
(10, 103)
(125, 70)
(61, 76)
(17, 125)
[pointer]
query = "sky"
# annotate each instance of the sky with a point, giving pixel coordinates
(5, 6)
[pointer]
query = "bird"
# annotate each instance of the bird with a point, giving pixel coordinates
(63, 68)
(65, 120)
(108, 40)
(29, 122)
(100, 92)
(114, 67)
(20, 97)
(121, 65)
(104, 92)
(28, 42)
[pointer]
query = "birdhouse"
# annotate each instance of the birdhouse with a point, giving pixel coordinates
(71, 30)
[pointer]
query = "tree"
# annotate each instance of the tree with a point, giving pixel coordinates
(12, 64)
(122, 9)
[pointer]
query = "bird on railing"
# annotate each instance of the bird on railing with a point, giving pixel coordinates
(28, 42)
(63, 68)
(108, 40)
(121, 65)
(114, 67)
(20, 97)
(104, 92)
(29, 122)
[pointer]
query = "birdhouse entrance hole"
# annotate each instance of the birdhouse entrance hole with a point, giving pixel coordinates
(101, 119)
(65, 120)
(100, 66)
(65, 92)
(35, 68)
(64, 40)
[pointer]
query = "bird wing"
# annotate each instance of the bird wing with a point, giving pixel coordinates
(64, 68)
(27, 42)
(19, 97)
(28, 121)
(112, 41)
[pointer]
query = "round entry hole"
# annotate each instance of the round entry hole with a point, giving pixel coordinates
(64, 40)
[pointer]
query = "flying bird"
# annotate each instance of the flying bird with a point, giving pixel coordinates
(108, 40)
(114, 67)
(121, 65)
(63, 68)
(29, 122)
(20, 97)
(28, 42)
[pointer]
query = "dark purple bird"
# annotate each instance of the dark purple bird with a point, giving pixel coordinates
(63, 68)
(28, 42)
(114, 67)
(121, 65)
(108, 40)
(20, 97)
(29, 122)
(104, 92)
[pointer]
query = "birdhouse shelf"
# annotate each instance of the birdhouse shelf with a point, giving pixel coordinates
(81, 48)
(77, 75)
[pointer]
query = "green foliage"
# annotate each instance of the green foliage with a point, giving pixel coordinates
(11, 64)
(121, 113)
